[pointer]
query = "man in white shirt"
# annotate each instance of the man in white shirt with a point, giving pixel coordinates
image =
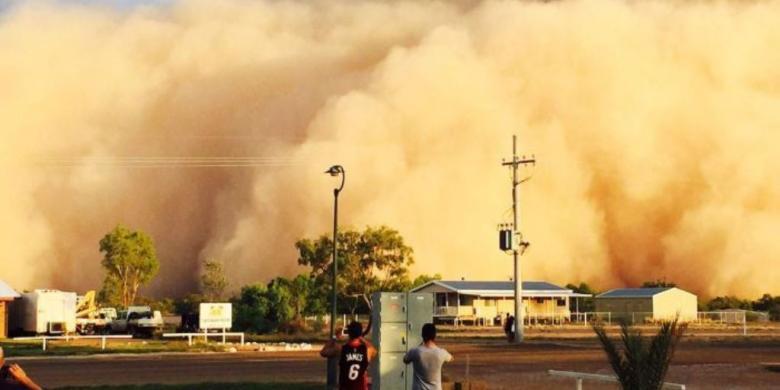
(427, 360)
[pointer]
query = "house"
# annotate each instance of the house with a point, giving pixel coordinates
(7, 294)
(641, 304)
(484, 301)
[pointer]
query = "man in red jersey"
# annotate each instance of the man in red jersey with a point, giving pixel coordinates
(354, 358)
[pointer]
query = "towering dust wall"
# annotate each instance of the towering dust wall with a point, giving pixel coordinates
(656, 126)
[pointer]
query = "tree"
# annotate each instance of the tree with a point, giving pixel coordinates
(251, 309)
(641, 364)
(728, 302)
(302, 293)
(423, 279)
(213, 281)
(130, 261)
(658, 283)
(110, 294)
(769, 304)
(372, 260)
(586, 304)
(279, 296)
(189, 304)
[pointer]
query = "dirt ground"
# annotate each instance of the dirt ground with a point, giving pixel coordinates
(700, 364)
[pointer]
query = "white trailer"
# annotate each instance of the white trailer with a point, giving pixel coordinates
(46, 311)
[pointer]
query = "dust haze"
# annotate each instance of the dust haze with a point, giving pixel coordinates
(656, 126)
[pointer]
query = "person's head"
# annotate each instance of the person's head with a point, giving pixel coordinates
(429, 332)
(354, 330)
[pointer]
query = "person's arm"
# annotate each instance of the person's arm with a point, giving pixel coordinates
(371, 350)
(409, 356)
(330, 349)
(447, 356)
(20, 376)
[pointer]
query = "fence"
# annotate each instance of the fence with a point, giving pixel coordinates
(102, 338)
(206, 336)
(581, 376)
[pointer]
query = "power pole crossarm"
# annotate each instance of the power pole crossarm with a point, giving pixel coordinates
(518, 279)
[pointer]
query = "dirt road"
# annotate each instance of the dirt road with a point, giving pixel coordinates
(700, 365)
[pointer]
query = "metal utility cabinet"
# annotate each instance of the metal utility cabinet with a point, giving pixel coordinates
(397, 320)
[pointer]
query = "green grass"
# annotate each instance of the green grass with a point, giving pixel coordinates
(205, 386)
(62, 348)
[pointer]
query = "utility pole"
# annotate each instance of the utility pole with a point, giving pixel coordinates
(516, 249)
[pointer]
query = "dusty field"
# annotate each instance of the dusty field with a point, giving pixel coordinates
(719, 364)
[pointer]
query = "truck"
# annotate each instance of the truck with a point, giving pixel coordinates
(45, 311)
(90, 318)
(137, 321)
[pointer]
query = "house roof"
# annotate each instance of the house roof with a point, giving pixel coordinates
(633, 292)
(6, 292)
(501, 288)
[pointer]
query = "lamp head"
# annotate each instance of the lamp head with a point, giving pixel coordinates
(335, 170)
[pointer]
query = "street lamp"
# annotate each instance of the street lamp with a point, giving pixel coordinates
(333, 361)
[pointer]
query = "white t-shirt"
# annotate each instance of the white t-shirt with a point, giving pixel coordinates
(427, 364)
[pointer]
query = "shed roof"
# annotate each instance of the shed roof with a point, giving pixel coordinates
(6, 292)
(633, 292)
(501, 288)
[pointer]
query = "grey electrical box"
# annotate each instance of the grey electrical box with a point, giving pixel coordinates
(397, 319)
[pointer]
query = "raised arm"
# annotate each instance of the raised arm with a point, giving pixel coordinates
(371, 350)
(330, 349)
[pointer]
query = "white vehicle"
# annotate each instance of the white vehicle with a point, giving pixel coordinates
(137, 320)
(45, 311)
(90, 318)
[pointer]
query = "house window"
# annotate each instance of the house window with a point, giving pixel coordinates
(561, 302)
(539, 300)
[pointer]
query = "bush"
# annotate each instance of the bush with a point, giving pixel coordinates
(251, 309)
(641, 364)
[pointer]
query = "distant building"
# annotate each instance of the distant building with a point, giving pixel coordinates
(484, 301)
(7, 294)
(642, 304)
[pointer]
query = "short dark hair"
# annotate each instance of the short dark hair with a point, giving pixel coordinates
(354, 329)
(429, 332)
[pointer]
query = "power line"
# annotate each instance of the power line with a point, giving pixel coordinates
(176, 161)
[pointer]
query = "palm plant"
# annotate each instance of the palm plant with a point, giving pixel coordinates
(641, 363)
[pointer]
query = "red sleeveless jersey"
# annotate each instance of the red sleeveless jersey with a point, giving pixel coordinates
(352, 366)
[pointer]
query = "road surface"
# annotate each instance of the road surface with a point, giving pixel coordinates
(731, 364)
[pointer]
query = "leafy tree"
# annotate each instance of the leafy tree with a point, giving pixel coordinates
(423, 279)
(280, 311)
(304, 292)
(251, 309)
(639, 363)
(769, 304)
(372, 260)
(213, 281)
(585, 304)
(130, 261)
(728, 302)
(189, 304)
(110, 294)
(658, 283)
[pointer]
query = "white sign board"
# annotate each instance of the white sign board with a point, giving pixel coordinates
(216, 316)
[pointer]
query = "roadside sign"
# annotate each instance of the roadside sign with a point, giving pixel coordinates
(216, 316)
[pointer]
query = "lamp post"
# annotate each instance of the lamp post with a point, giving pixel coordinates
(333, 362)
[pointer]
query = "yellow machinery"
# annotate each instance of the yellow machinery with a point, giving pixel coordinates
(90, 318)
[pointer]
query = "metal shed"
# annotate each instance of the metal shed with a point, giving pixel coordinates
(660, 303)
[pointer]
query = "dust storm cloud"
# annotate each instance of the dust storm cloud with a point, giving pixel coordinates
(656, 126)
